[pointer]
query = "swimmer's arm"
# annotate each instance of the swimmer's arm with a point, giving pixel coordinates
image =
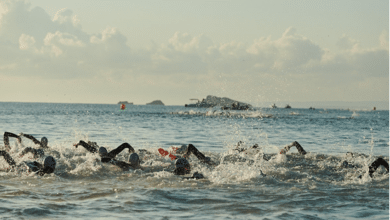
(121, 164)
(119, 149)
(86, 146)
(29, 150)
(8, 158)
(378, 162)
(192, 149)
(293, 144)
(6, 139)
(31, 138)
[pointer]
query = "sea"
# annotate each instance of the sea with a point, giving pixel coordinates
(257, 183)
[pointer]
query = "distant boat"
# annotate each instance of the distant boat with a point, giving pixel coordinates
(287, 106)
(311, 108)
(274, 106)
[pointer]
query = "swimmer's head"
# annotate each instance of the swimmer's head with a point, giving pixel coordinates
(103, 152)
(134, 160)
(44, 141)
(49, 165)
(182, 167)
(182, 149)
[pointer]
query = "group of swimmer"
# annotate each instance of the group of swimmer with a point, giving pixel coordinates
(182, 166)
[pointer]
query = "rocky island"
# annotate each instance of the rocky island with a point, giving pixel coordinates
(155, 102)
(225, 103)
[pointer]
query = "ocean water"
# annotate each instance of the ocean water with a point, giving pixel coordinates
(259, 184)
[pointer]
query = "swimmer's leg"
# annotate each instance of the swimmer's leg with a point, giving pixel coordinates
(8, 158)
(119, 149)
(89, 148)
(376, 164)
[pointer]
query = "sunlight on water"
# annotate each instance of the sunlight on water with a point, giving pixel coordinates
(325, 183)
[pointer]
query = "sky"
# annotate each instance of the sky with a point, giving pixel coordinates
(105, 51)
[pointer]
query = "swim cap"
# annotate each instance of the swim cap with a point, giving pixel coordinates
(134, 159)
(50, 162)
(103, 152)
(182, 149)
(40, 153)
(44, 141)
(182, 167)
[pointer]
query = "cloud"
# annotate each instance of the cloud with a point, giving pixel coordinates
(34, 45)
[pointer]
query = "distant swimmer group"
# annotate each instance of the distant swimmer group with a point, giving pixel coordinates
(179, 155)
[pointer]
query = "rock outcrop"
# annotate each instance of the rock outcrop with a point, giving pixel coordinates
(225, 103)
(155, 102)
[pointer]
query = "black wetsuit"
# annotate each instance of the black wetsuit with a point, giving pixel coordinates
(33, 166)
(110, 156)
(192, 149)
(35, 152)
(6, 139)
(35, 140)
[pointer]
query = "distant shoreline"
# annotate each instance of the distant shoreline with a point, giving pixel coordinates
(361, 105)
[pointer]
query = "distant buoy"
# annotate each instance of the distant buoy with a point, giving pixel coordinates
(374, 109)
(123, 106)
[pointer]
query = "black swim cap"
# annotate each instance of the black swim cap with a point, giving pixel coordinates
(50, 162)
(103, 152)
(134, 159)
(182, 167)
(44, 141)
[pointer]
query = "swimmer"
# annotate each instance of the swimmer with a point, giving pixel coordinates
(109, 157)
(36, 152)
(183, 167)
(47, 167)
(186, 151)
(106, 156)
(372, 168)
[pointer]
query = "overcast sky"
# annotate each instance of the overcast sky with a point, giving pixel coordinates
(105, 51)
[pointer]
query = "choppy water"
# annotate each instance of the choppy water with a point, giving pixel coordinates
(313, 186)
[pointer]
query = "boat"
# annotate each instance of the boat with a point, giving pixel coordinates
(287, 106)
(274, 106)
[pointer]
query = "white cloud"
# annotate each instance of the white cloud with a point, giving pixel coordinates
(26, 42)
(35, 46)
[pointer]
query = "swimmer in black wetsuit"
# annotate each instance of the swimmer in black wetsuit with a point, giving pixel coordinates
(36, 152)
(48, 166)
(109, 157)
(182, 166)
(372, 168)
